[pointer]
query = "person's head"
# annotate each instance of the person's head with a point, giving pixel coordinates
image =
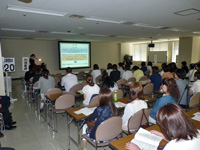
(197, 75)
(192, 66)
(135, 68)
(120, 64)
(109, 66)
(68, 70)
(32, 56)
(170, 87)
(108, 82)
(31, 68)
(127, 67)
(198, 67)
(172, 67)
(155, 69)
(136, 91)
(180, 73)
(95, 67)
(150, 63)
(104, 74)
(175, 124)
(38, 69)
(114, 67)
(89, 79)
(106, 98)
(45, 73)
(163, 66)
(143, 64)
(184, 63)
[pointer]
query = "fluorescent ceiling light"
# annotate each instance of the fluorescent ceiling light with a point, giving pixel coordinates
(97, 35)
(125, 37)
(196, 32)
(55, 32)
(35, 10)
(156, 41)
(104, 20)
(147, 26)
(5, 37)
(176, 30)
(17, 30)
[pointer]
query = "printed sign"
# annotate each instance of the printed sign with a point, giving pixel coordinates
(25, 63)
(9, 65)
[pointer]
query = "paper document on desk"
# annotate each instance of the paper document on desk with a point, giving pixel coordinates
(146, 140)
(197, 116)
(119, 104)
(86, 111)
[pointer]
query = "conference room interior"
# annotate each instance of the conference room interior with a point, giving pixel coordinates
(110, 42)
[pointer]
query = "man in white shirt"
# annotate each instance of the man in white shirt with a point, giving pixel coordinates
(69, 80)
(127, 74)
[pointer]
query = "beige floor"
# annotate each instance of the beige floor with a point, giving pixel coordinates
(32, 133)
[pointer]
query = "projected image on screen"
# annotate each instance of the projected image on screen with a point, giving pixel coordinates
(74, 55)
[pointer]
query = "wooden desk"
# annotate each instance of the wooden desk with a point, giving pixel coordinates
(120, 144)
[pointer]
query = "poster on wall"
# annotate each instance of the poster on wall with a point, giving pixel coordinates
(25, 63)
(9, 64)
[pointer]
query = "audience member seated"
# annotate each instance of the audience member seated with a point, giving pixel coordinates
(29, 74)
(45, 83)
(137, 73)
(177, 128)
(115, 74)
(143, 67)
(121, 68)
(109, 83)
(190, 74)
(170, 87)
(95, 72)
(184, 66)
(149, 66)
(105, 110)
(196, 85)
(4, 109)
(69, 80)
(89, 89)
(155, 78)
(109, 68)
(127, 74)
(37, 75)
(172, 67)
(181, 83)
(167, 73)
(138, 103)
(163, 66)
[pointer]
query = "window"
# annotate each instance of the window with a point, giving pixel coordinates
(140, 52)
(175, 50)
(160, 47)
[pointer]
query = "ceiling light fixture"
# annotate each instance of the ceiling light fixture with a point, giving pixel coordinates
(147, 26)
(17, 30)
(98, 35)
(35, 10)
(55, 32)
(104, 20)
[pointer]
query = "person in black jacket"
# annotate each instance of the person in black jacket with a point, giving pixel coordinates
(115, 74)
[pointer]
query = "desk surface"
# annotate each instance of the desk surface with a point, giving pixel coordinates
(120, 144)
(82, 116)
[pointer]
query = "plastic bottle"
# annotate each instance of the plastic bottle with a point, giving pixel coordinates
(115, 96)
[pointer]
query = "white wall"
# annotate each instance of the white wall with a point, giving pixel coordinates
(2, 88)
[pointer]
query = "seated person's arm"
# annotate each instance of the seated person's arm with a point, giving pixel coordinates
(131, 146)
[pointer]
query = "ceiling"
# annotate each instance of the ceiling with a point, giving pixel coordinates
(126, 20)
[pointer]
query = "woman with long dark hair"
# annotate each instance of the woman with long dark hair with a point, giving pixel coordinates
(105, 110)
(170, 87)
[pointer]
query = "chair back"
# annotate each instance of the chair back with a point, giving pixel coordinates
(59, 75)
(57, 80)
(194, 100)
(64, 102)
(121, 81)
(98, 79)
(109, 129)
(143, 78)
(81, 74)
(148, 89)
(132, 79)
(120, 94)
(83, 83)
(75, 88)
(53, 93)
(94, 100)
(135, 120)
